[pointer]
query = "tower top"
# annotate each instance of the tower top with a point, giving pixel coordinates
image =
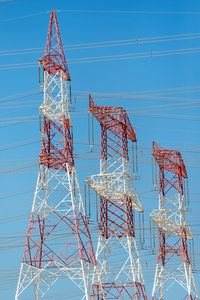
(170, 160)
(54, 60)
(112, 117)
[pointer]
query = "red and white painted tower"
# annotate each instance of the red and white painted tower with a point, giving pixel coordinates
(58, 242)
(118, 273)
(173, 263)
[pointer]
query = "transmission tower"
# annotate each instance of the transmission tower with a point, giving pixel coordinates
(118, 273)
(58, 242)
(173, 263)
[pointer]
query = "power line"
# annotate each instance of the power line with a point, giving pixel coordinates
(119, 12)
(24, 17)
(127, 56)
(130, 12)
(126, 42)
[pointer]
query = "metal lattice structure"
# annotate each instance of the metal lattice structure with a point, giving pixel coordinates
(118, 273)
(58, 242)
(173, 263)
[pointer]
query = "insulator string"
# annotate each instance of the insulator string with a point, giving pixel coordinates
(188, 198)
(92, 131)
(152, 165)
(74, 189)
(185, 191)
(155, 170)
(153, 237)
(90, 135)
(97, 208)
(193, 257)
(89, 128)
(185, 194)
(72, 137)
(42, 76)
(188, 248)
(89, 215)
(143, 229)
(134, 220)
(133, 159)
(39, 74)
(70, 93)
(140, 229)
(40, 123)
(150, 235)
(136, 152)
(85, 192)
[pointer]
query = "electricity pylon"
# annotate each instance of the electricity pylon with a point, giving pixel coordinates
(118, 274)
(173, 264)
(58, 242)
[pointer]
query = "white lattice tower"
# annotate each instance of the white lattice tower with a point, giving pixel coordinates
(118, 274)
(58, 243)
(174, 269)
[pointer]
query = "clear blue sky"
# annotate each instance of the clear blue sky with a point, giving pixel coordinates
(155, 83)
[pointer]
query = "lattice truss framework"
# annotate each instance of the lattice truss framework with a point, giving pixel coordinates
(58, 242)
(118, 274)
(173, 262)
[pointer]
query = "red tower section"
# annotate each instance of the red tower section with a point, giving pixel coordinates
(54, 58)
(173, 263)
(118, 201)
(116, 129)
(57, 148)
(58, 242)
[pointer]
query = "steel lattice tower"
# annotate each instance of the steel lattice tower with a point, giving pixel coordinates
(173, 263)
(58, 242)
(118, 273)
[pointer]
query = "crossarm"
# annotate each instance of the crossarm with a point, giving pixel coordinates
(170, 160)
(109, 116)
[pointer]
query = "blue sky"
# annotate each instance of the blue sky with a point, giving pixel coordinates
(149, 87)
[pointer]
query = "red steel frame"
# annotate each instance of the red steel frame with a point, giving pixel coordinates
(115, 131)
(116, 216)
(112, 291)
(54, 56)
(57, 148)
(57, 155)
(172, 171)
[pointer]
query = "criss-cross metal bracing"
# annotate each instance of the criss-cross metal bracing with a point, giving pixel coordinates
(58, 242)
(173, 262)
(118, 201)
